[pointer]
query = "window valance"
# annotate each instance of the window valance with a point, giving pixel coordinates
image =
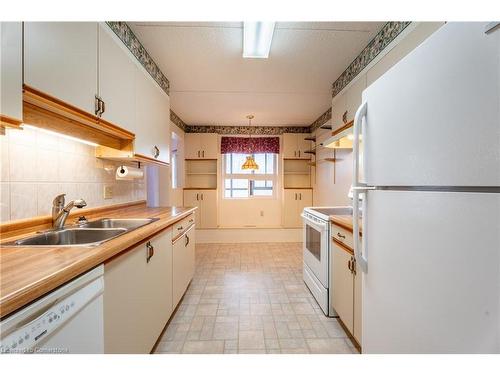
(247, 145)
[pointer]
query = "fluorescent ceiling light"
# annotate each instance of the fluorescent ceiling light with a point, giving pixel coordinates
(257, 38)
(60, 135)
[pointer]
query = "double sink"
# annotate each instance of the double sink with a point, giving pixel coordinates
(92, 233)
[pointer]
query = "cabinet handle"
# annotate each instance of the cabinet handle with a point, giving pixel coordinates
(353, 265)
(187, 241)
(180, 228)
(349, 265)
(156, 152)
(198, 153)
(203, 153)
(97, 105)
(295, 196)
(201, 196)
(103, 107)
(300, 196)
(299, 154)
(150, 251)
(197, 197)
(191, 220)
(340, 235)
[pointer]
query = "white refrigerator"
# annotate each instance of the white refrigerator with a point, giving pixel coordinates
(428, 172)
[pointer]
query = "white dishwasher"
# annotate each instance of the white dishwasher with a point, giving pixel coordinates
(67, 320)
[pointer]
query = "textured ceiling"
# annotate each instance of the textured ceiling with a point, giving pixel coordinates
(212, 84)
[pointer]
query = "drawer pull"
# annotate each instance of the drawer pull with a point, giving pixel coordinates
(150, 251)
(180, 228)
(187, 240)
(340, 235)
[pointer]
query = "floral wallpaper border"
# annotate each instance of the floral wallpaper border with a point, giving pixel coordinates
(385, 36)
(323, 119)
(178, 121)
(258, 130)
(127, 36)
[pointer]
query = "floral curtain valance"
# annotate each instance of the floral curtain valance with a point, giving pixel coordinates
(254, 145)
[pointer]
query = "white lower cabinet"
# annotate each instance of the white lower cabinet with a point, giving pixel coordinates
(206, 201)
(138, 296)
(343, 286)
(183, 263)
(294, 201)
(347, 278)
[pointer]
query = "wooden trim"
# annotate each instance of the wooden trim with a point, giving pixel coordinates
(16, 227)
(126, 156)
(198, 188)
(45, 111)
(344, 226)
(200, 159)
(10, 122)
(350, 335)
(297, 188)
(296, 159)
(149, 160)
(345, 127)
(343, 246)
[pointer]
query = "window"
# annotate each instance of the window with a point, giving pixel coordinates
(175, 161)
(241, 183)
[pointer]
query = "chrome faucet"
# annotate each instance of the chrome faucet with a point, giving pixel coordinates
(60, 212)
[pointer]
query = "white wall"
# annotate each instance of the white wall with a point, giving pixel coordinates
(175, 196)
(334, 179)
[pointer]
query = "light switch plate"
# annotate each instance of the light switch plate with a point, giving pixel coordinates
(108, 191)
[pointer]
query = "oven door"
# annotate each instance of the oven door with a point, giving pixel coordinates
(316, 248)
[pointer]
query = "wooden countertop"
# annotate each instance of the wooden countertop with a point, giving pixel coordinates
(345, 221)
(27, 273)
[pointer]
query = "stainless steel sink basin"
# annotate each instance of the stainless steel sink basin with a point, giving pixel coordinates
(118, 223)
(70, 236)
(90, 234)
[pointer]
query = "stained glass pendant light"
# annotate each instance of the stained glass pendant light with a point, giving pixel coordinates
(250, 161)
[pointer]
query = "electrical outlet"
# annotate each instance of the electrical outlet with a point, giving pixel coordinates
(108, 191)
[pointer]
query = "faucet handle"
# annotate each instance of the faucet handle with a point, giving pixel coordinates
(59, 200)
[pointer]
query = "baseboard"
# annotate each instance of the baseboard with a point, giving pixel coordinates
(247, 235)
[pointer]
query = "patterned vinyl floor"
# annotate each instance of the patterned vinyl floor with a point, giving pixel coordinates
(250, 298)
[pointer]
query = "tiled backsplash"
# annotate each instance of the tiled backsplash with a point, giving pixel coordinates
(36, 166)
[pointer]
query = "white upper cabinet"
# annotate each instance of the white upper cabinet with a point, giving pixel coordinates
(60, 59)
(11, 76)
(152, 118)
(116, 79)
(201, 146)
(354, 96)
(294, 146)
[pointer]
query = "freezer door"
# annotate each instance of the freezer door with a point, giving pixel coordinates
(434, 119)
(433, 283)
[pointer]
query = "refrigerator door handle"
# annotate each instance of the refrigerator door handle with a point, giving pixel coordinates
(357, 187)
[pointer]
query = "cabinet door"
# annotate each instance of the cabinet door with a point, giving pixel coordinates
(290, 146)
(302, 146)
(339, 106)
(192, 149)
(305, 199)
(291, 214)
(208, 209)
(209, 145)
(152, 117)
(138, 297)
(183, 264)
(343, 284)
(116, 80)
(357, 329)
(192, 198)
(60, 59)
(354, 96)
(11, 70)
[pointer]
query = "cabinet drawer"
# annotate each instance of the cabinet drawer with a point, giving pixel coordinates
(342, 235)
(182, 225)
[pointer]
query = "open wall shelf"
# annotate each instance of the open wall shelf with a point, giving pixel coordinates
(201, 173)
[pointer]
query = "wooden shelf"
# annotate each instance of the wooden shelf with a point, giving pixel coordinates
(310, 139)
(329, 127)
(126, 156)
(199, 188)
(296, 173)
(199, 159)
(9, 122)
(346, 126)
(201, 173)
(295, 188)
(45, 111)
